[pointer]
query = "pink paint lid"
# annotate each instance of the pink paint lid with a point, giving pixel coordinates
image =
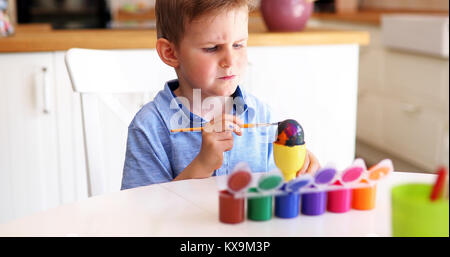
(352, 174)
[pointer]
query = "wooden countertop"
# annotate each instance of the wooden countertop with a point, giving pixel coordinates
(41, 38)
(370, 16)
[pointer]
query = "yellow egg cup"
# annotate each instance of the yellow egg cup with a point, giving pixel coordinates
(289, 159)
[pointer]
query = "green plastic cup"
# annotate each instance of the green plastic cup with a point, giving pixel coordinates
(415, 215)
(259, 208)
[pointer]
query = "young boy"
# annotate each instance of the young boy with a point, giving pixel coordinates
(205, 41)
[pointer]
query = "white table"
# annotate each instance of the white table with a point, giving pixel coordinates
(190, 208)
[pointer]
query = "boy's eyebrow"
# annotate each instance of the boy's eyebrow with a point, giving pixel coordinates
(212, 42)
(246, 38)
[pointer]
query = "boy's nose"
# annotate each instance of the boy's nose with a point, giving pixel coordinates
(227, 60)
(224, 65)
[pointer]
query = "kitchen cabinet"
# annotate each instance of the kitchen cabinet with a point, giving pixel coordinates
(41, 155)
(42, 161)
(29, 164)
(416, 107)
(403, 101)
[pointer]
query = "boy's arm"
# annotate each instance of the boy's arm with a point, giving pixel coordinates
(145, 161)
(195, 169)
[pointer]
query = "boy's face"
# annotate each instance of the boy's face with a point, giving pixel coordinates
(213, 53)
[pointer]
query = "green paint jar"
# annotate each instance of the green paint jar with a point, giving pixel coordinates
(259, 208)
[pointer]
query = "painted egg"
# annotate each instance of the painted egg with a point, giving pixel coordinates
(290, 133)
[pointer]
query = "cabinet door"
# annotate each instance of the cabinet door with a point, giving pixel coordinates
(28, 151)
(417, 78)
(413, 131)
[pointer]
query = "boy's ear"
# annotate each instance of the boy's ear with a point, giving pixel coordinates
(166, 51)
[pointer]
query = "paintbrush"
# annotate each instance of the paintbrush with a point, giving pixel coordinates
(249, 125)
(439, 186)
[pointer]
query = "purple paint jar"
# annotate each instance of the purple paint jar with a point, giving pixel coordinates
(314, 203)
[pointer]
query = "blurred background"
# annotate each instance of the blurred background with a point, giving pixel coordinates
(112, 13)
(412, 84)
(402, 93)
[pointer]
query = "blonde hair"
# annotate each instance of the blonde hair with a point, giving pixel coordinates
(173, 15)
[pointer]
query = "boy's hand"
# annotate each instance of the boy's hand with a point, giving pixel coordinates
(217, 138)
(311, 164)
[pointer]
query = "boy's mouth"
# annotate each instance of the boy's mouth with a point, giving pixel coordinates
(227, 77)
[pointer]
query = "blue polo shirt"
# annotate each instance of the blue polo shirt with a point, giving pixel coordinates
(156, 155)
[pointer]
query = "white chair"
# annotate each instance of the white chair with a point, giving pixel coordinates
(121, 81)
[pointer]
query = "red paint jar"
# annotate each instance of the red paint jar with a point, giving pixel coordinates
(231, 209)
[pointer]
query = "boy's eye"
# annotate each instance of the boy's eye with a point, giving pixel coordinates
(210, 49)
(238, 46)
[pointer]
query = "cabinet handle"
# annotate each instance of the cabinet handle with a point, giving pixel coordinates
(46, 91)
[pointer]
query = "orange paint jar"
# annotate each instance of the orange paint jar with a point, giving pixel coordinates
(364, 198)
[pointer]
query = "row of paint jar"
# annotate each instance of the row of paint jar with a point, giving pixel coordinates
(328, 189)
(290, 205)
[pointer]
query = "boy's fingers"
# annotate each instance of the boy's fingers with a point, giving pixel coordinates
(225, 135)
(231, 118)
(233, 123)
(226, 122)
(225, 125)
(315, 165)
(228, 145)
(305, 165)
(209, 127)
(213, 126)
(233, 127)
(313, 168)
(234, 119)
